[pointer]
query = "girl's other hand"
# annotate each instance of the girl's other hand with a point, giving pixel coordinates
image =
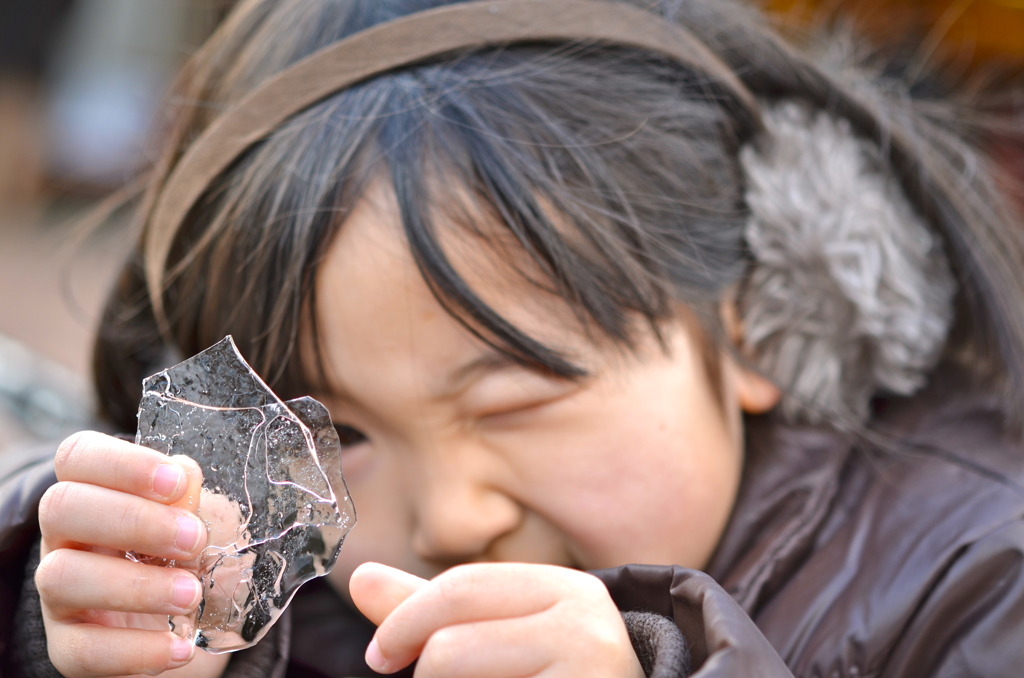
(104, 614)
(493, 620)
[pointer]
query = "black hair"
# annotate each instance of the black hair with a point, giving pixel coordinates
(614, 170)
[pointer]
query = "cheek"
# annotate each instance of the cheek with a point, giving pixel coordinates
(654, 489)
(381, 533)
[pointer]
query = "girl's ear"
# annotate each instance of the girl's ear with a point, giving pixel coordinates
(755, 393)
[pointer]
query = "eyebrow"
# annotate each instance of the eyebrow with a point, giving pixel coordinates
(462, 376)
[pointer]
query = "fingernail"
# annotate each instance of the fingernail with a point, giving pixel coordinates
(374, 659)
(186, 591)
(167, 479)
(188, 533)
(181, 650)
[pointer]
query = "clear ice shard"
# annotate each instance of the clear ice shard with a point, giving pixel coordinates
(273, 497)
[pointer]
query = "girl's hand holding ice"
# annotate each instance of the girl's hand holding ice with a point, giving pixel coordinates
(104, 614)
(494, 620)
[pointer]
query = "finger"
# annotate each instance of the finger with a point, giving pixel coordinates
(70, 581)
(505, 648)
(471, 593)
(86, 650)
(75, 514)
(98, 459)
(378, 589)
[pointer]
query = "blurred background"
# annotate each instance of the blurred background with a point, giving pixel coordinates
(80, 85)
(81, 82)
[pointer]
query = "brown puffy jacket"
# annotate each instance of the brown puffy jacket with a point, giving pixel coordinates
(839, 560)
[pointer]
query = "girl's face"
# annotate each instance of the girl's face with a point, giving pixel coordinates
(458, 455)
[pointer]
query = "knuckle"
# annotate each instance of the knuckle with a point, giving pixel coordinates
(451, 584)
(591, 585)
(134, 467)
(73, 655)
(136, 592)
(61, 659)
(605, 639)
(463, 575)
(51, 574)
(132, 524)
(584, 586)
(445, 642)
(70, 449)
(440, 653)
(605, 636)
(77, 651)
(53, 504)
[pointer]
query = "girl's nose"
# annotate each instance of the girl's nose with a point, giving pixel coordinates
(458, 520)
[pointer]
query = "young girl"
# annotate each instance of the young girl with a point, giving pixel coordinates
(656, 346)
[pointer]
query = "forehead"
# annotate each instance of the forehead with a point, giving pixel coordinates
(373, 301)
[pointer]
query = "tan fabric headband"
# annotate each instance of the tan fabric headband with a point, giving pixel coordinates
(398, 43)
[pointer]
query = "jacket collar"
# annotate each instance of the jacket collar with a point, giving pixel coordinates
(790, 480)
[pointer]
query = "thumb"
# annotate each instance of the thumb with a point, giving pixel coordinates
(378, 589)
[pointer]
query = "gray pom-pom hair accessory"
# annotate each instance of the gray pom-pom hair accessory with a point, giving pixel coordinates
(850, 294)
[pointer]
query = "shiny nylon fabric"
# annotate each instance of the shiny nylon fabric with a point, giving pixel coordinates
(837, 561)
(24, 477)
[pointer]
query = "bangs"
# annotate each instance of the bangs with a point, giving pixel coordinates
(579, 200)
(620, 214)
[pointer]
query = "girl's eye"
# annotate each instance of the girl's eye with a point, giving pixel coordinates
(348, 435)
(520, 395)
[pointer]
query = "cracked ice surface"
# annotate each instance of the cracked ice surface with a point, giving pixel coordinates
(273, 496)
